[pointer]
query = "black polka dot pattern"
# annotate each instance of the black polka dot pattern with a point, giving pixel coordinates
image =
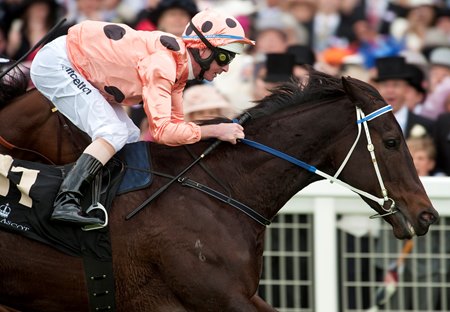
(231, 22)
(114, 32)
(207, 26)
(189, 30)
(114, 91)
(170, 43)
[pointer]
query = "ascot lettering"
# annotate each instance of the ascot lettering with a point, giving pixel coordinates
(15, 225)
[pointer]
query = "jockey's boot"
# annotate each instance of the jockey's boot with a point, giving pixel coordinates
(67, 206)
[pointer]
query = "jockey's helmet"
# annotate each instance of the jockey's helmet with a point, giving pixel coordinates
(222, 34)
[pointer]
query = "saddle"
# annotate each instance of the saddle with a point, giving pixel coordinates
(28, 189)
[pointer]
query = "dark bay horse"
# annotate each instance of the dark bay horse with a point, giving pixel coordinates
(187, 251)
(38, 132)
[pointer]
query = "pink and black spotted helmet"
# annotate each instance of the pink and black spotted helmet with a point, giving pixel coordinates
(220, 30)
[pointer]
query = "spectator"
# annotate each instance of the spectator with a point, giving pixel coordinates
(353, 66)
(415, 90)
(116, 11)
(276, 19)
(81, 10)
(203, 102)
(170, 16)
(273, 40)
(372, 44)
(303, 55)
(423, 153)
(327, 26)
(277, 68)
(392, 82)
(439, 34)
(439, 83)
(36, 19)
(412, 28)
(442, 141)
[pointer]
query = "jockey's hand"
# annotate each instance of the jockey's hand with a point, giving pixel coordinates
(229, 132)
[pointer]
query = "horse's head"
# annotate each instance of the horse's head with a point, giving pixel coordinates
(388, 172)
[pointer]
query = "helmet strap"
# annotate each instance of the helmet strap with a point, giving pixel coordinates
(205, 63)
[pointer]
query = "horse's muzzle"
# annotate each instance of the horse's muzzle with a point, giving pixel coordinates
(429, 217)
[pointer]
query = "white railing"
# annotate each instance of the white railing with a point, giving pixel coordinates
(325, 201)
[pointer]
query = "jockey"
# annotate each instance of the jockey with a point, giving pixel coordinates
(98, 67)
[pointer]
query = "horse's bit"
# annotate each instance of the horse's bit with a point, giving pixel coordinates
(361, 119)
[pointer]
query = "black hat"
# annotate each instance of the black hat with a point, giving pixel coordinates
(187, 5)
(416, 77)
(392, 67)
(303, 54)
(279, 67)
(52, 4)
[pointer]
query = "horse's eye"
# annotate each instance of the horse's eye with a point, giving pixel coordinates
(391, 143)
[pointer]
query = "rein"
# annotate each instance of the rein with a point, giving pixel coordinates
(5, 143)
(361, 119)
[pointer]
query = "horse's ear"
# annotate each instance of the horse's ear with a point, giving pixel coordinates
(353, 92)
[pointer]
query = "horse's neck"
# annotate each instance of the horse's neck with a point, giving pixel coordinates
(269, 182)
(268, 185)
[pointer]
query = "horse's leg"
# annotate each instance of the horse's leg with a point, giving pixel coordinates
(261, 305)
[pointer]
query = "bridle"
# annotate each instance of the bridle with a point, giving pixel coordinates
(361, 120)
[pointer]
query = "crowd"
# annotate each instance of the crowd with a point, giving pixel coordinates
(402, 47)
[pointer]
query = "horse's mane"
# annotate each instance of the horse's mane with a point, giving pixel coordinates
(319, 87)
(12, 85)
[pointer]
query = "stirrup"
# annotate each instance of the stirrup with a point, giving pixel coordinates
(92, 227)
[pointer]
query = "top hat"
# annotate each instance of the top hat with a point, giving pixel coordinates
(392, 67)
(303, 54)
(187, 5)
(416, 77)
(279, 67)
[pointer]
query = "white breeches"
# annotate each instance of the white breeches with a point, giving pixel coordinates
(53, 75)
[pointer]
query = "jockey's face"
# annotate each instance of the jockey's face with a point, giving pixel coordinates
(215, 69)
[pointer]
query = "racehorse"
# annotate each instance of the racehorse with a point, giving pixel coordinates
(187, 251)
(33, 129)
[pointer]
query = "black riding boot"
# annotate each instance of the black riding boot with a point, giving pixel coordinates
(67, 203)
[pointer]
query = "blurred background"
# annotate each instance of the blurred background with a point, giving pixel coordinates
(402, 47)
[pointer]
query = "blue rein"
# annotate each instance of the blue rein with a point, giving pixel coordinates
(279, 154)
(296, 161)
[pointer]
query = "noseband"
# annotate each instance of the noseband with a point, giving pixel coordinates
(385, 202)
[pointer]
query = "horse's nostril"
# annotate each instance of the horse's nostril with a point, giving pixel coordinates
(428, 218)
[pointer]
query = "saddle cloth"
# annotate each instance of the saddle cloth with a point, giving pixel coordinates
(28, 190)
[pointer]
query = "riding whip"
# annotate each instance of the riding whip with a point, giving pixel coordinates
(39, 43)
(246, 116)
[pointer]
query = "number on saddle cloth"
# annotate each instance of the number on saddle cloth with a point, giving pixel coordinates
(28, 190)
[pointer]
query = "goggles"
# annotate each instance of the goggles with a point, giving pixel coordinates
(223, 57)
